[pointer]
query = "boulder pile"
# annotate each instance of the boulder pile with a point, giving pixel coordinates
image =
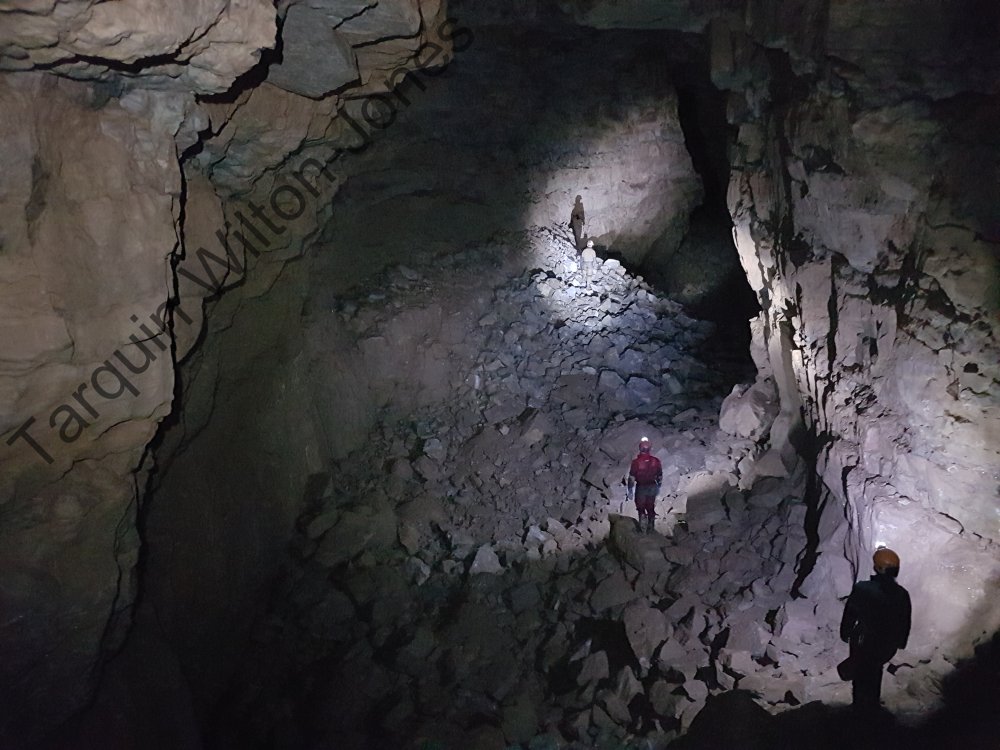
(473, 576)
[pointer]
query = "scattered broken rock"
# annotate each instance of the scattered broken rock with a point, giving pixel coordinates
(495, 555)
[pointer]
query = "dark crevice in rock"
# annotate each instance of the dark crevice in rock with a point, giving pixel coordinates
(816, 497)
(707, 249)
(134, 68)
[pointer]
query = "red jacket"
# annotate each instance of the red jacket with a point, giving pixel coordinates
(646, 470)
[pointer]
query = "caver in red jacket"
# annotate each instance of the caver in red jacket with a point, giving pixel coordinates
(645, 474)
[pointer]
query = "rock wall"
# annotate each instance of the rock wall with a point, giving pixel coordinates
(872, 244)
(91, 200)
(197, 46)
(876, 256)
(135, 140)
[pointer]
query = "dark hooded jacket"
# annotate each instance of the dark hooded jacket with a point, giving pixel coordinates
(876, 619)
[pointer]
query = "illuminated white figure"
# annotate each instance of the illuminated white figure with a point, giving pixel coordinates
(588, 261)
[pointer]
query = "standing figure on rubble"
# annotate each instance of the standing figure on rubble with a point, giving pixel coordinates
(588, 263)
(576, 221)
(876, 623)
(644, 478)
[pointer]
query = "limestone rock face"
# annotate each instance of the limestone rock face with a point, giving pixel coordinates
(363, 20)
(750, 412)
(88, 204)
(190, 45)
(114, 188)
(878, 331)
(316, 59)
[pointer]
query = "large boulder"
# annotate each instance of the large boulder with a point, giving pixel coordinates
(749, 412)
(646, 628)
(316, 59)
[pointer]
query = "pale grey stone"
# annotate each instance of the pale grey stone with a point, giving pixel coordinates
(610, 381)
(613, 591)
(594, 669)
(316, 59)
(486, 561)
(646, 629)
(749, 412)
(663, 698)
(409, 537)
(616, 708)
(696, 690)
(627, 685)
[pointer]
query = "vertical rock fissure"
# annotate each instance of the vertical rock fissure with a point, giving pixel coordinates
(119, 614)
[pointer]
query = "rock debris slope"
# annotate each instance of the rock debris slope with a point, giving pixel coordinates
(473, 578)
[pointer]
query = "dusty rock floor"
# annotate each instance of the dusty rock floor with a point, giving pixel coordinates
(475, 579)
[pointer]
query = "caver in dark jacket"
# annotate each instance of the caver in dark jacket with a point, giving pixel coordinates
(876, 623)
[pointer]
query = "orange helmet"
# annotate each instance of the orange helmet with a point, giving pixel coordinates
(645, 445)
(885, 559)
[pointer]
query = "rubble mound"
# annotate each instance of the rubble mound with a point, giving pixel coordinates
(471, 575)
